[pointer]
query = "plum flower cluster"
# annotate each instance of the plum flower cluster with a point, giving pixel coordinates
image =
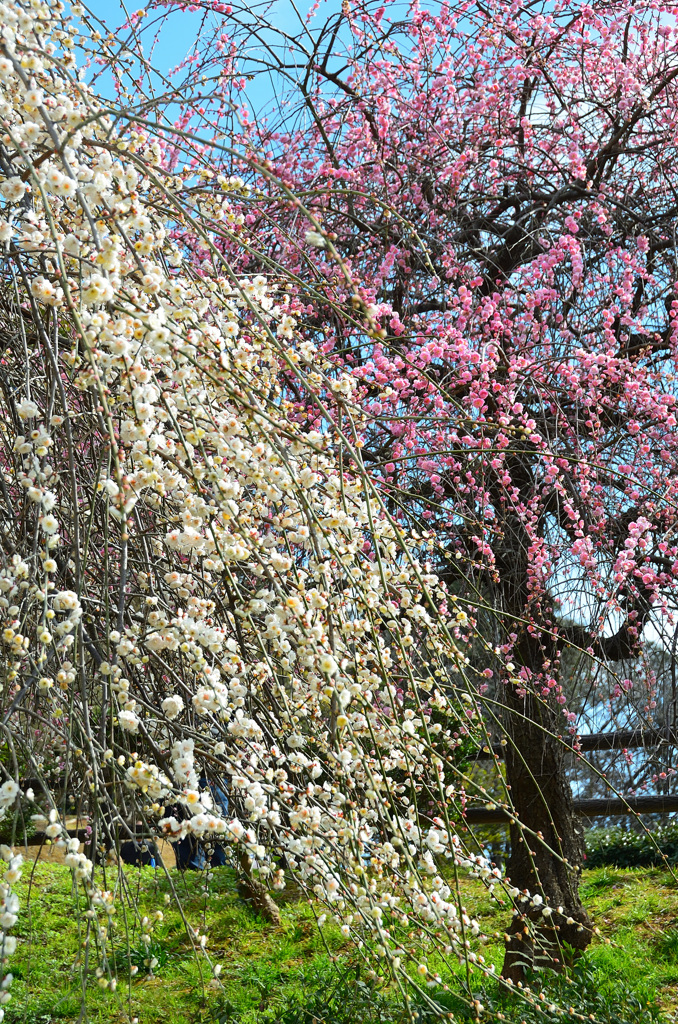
(9, 900)
(9, 912)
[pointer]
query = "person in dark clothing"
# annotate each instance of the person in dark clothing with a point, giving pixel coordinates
(189, 853)
(140, 853)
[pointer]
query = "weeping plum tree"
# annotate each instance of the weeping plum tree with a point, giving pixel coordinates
(494, 187)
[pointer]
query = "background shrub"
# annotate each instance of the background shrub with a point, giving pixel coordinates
(621, 848)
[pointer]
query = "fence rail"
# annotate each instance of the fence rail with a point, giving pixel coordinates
(595, 808)
(598, 741)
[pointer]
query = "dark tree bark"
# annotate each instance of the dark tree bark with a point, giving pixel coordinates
(547, 846)
(547, 859)
(255, 893)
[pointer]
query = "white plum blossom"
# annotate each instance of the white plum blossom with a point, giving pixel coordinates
(315, 239)
(49, 524)
(27, 409)
(13, 189)
(128, 721)
(97, 290)
(172, 706)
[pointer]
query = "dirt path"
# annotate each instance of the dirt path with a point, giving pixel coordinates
(53, 855)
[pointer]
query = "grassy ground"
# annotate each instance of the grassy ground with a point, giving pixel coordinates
(271, 974)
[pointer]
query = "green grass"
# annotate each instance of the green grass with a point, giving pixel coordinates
(292, 974)
(260, 963)
(636, 908)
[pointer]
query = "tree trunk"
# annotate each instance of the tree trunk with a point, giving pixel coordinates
(255, 893)
(546, 857)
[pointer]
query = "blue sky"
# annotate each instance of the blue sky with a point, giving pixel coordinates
(179, 31)
(173, 33)
(181, 27)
